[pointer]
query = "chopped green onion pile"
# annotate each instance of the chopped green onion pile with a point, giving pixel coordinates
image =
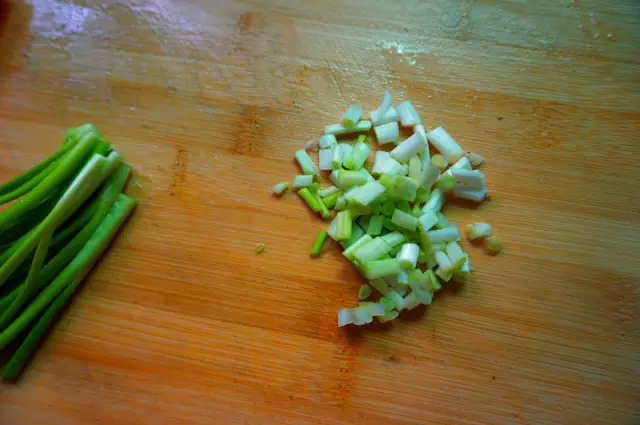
(60, 217)
(386, 214)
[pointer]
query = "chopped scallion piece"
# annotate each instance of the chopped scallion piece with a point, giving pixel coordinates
(358, 156)
(317, 244)
(390, 116)
(415, 169)
(375, 225)
(364, 292)
(330, 201)
(325, 158)
(306, 164)
(377, 115)
(427, 220)
(381, 268)
(493, 244)
(439, 161)
(478, 230)
(324, 210)
(473, 179)
(435, 202)
(260, 248)
(385, 164)
(408, 256)
(351, 178)
(338, 129)
(393, 239)
(445, 144)
(372, 250)
(475, 195)
(387, 133)
(301, 181)
(445, 183)
(351, 116)
(408, 115)
(310, 199)
(327, 141)
(409, 148)
(404, 220)
(280, 188)
(474, 159)
(327, 191)
(443, 235)
(344, 228)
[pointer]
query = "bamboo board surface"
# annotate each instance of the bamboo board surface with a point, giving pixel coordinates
(181, 323)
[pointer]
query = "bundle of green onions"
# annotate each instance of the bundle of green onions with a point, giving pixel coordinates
(388, 217)
(60, 217)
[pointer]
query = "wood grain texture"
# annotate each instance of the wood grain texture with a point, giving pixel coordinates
(182, 323)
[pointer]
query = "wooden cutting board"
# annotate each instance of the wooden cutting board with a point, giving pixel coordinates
(182, 323)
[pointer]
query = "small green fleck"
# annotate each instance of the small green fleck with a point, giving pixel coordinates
(260, 248)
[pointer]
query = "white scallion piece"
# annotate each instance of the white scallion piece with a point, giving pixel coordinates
(493, 244)
(380, 285)
(474, 159)
(415, 169)
(325, 159)
(312, 145)
(327, 141)
(439, 161)
(376, 309)
(404, 220)
(351, 250)
(445, 144)
(367, 193)
(328, 191)
(301, 181)
(464, 192)
(427, 220)
(478, 230)
(435, 202)
(456, 255)
(306, 164)
(337, 156)
(430, 174)
(461, 163)
(411, 301)
(425, 297)
(443, 235)
(332, 229)
(280, 188)
(408, 114)
(443, 261)
(409, 148)
(402, 278)
(385, 164)
(364, 292)
(372, 250)
(338, 129)
(397, 300)
(390, 116)
(345, 317)
(408, 256)
(387, 133)
(341, 203)
(351, 116)
(391, 315)
(377, 115)
(443, 274)
(393, 239)
(362, 315)
(425, 156)
(473, 179)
